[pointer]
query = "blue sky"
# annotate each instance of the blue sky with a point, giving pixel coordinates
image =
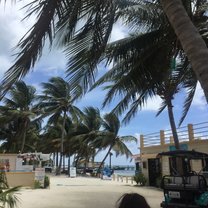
(53, 64)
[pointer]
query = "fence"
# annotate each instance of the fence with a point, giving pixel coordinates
(190, 132)
(125, 179)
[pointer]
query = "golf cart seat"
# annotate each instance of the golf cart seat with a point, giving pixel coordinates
(173, 182)
(185, 188)
(196, 182)
(193, 182)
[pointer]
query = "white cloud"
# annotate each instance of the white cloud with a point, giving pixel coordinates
(12, 29)
(137, 135)
(37, 87)
(119, 32)
(199, 98)
(4, 64)
(153, 104)
(52, 63)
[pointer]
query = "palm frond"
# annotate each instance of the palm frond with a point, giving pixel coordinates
(121, 149)
(162, 107)
(111, 123)
(128, 138)
(32, 43)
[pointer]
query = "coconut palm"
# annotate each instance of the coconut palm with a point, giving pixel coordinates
(99, 17)
(189, 37)
(8, 197)
(11, 145)
(135, 96)
(112, 140)
(18, 114)
(139, 13)
(81, 140)
(57, 101)
(152, 55)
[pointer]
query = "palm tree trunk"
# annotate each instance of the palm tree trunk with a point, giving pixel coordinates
(54, 158)
(104, 159)
(191, 41)
(69, 165)
(24, 135)
(62, 144)
(64, 163)
(77, 161)
(23, 142)
(57, 153)
(172, 124)
(85, 166)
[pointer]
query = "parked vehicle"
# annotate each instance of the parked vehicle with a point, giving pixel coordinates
(48, 167)
(185, 187)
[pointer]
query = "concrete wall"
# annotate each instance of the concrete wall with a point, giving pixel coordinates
(25, 179)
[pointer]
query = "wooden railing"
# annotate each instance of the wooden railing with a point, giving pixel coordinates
(190, 132)
(121, 178)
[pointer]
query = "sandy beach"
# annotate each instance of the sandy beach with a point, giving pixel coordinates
(83, 192)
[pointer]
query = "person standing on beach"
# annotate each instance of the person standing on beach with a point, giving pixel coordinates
(132, 200)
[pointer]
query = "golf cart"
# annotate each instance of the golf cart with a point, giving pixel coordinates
(185, 187)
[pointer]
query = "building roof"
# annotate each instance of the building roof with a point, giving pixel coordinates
(192, 154)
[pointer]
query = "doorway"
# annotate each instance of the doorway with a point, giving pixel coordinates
(154, 171)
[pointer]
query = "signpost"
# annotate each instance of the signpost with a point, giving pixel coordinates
(73, 172)
(40, 175)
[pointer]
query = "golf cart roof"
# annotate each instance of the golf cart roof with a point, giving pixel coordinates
(191, 154)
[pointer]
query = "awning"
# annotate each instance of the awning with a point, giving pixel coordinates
(192, 154)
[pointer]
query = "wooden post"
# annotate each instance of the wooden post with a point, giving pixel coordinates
(190, 132)
(117, 177)
(126, 179)
(141, 141)
(162, 137)
(132, 180)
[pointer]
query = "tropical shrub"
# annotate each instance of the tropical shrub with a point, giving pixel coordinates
(37, 184)
(46, 182)
(8, 197)
(158, 181)
(140, 179)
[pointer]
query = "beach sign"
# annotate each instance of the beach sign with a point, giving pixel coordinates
(40, 175)
(73, 172)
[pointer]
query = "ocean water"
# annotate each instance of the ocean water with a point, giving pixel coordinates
(124, 172)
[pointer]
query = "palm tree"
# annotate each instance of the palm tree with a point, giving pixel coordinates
(8, 196)
(189, 37)
(99, 19)
(112, 140)
(109, 12)
(82, 138)
(18, 114)
(11, 145)
(57, 101)
(138, 55)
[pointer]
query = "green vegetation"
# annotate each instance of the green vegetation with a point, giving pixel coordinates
(140, 179)
(37, 184)
(153, 60)
(8, 196)
(46, 182)
(155, 55)
(69, 130)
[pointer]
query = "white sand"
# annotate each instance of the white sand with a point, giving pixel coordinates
(80, 192)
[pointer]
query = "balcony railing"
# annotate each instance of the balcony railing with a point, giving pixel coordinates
(187, 133)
